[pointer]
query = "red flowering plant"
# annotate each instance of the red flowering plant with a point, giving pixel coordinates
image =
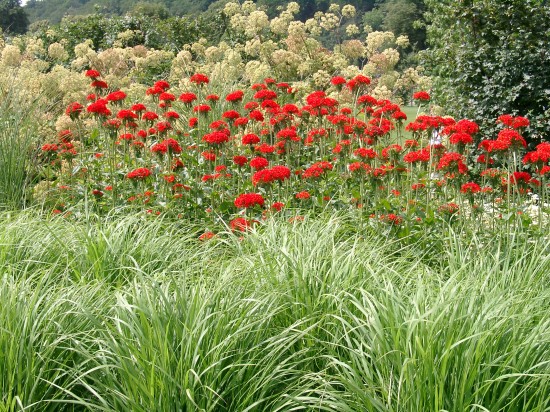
(257, 148)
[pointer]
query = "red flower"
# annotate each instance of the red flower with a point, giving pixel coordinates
(240, 160)
(256, 115)
(218, 125)
(265, 148)
(466, 126)
(116, 96)
(74, 110)
(452, 162)
(167, 97)
(251, 105)
(159, 148)
(461, 138)
(364, 153)
(470, 188)
(162, 84)
(250, 139)
(172, 145)
(150, 116)
(209, 156)
(411, 143)
(448, 209)
(199, 79)
(50, 147)
(367, 100)
(263, 176)
(231, 114)
(357, 166)
(212, 98)
(241, 121)
(139, 174)
(202, 108)
(248, 200)
(259, 163)
(240, 224)
(99, 108)
(235, 96)
(99, 84)
(483, 159)
(288, 134)
(399, 115)
(317, 170)
(421, 95)
(92, 74)
(358, 81)
(216, 138)
(126, 114)
(280, 173)
(290, 108)
(265, 95)
(513, 122)
(193, 121)
(139, 107)
(338, 81)
(303, 195)
(163, 127)
(520, 177)
(154, 91)
(127, 136)
(391, 151)
(171, 115)
(278, 206)
(511, 139)
(392, 219)
(206, 236)
(188, 98)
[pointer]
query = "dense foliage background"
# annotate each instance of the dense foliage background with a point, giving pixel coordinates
(492, 56)
(54, 10)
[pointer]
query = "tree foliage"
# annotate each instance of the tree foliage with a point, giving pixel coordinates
(13, 18)
(55, 10)
(490, 57)
(399, 17)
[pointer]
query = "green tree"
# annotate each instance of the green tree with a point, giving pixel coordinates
(154, 10)
(399, 17)
(374, 19)
(490, 57)
(13, 18)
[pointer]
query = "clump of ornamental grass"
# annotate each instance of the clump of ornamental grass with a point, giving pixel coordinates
(318, 313)
(17, 149)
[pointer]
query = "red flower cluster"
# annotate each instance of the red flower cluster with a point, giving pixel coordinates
(199, 79)
(216, 138)
(74, 110)
(317, 170)
(513, 122)
(249, 200)
(235, 96)
(422, 95)
(99, 108)
(188, 97)
(470, 188)
(139, 174)
(266, 176)
(452, 162)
